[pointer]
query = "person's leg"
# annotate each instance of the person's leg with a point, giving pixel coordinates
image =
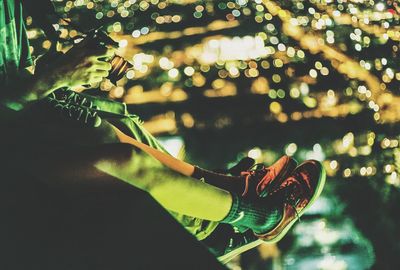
(131, 126)
(177, 192)
(255, 215)
(282, 168)
(230, 242)
(261, 216)
(117, 114)
(221, 239)
(226, 245)
(171, 189)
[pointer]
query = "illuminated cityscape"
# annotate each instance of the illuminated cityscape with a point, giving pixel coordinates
(219, 80)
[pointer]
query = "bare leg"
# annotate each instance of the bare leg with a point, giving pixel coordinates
(230, 183)
(166, 159)
(172, 190)
(187, 196)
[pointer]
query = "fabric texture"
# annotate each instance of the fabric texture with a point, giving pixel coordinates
(14, 45)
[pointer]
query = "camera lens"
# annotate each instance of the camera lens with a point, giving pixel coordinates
(118, 69)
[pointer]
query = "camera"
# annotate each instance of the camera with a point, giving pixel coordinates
(120, 66)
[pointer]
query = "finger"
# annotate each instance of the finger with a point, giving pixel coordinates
(101, 65)
(109, 54)
(96, 79)
(101, 52)
(100, 73)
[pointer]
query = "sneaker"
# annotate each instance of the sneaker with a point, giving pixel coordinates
(66, 95)
(226, 242)
(83, 115)
(266, 179)
(299, 192)
(234, 243)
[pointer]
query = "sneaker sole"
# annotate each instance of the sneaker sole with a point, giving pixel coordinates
(229, 256)
(284, 173)
(318, 190)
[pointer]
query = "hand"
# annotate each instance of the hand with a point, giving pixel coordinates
(82, 65)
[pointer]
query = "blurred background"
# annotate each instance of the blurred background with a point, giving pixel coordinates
(218, 80)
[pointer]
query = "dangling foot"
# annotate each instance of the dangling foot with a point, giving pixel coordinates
(297, 193)
(261, 180)
(226, 242)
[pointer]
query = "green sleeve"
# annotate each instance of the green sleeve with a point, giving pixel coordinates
(25, 54)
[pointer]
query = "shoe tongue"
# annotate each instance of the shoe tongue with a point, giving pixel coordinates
(265, 180)
(243, 165)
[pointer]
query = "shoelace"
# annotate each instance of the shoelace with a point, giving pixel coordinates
(71, 97)
(74, 112)
(239, 239)
(78, 113)
(256, 169)
(291, 190)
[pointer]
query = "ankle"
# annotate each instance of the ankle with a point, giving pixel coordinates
(259, 215)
